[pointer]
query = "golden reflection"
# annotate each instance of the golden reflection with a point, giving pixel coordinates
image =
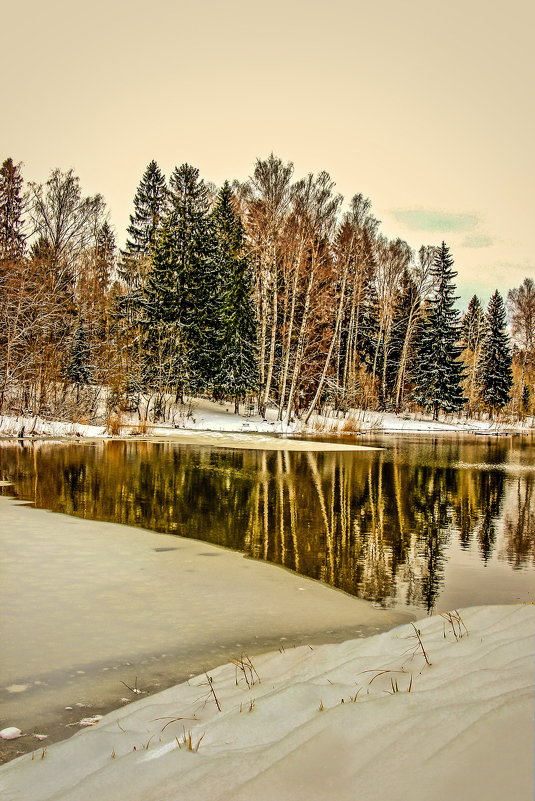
(377, 524)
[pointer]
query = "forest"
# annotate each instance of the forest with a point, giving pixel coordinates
(264, 292)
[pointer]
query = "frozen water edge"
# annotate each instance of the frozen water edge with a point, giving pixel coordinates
(87, 605)
(368, 714)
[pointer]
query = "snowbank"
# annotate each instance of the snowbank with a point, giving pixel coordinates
(37, 427)
(217, 424)
(367, 719)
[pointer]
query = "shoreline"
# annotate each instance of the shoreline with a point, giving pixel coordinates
(107, 605)
(213, 424)
(259, 441)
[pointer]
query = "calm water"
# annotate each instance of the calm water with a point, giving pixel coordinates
(427, 522)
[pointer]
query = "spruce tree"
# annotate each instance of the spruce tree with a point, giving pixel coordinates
(149, 210)
(237, 373)
(439, 370)
(79, 370)
(134, 264)
(494, 368)
(368, 340)
(104, 256)
(182, 289)
(473, 325)
(11, 208)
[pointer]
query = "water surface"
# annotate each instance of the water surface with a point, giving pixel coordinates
(431, 522)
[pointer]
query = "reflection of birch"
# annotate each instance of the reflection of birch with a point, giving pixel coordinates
(316, 478)
(290, 483)
(520, 526)
(280, 508)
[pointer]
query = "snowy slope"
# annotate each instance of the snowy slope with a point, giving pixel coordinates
(365, 719)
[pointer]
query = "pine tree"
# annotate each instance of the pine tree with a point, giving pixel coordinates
(368, 335)
(439, 371)
(494, 368)
(473, 327)
(149, 209)
(11, 208)
(181, 287)
(79, 370)
(104, 256)
(150, 203)
(238, 335)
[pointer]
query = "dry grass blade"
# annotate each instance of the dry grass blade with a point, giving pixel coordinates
(456, 623)
(420, 643)
(210, 683)
(172, 720)
(247, 669)
(133, 689)
(187, 740)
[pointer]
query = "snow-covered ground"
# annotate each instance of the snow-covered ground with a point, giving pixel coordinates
(215, 420)
(440, 711)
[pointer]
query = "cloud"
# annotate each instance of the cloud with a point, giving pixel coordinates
(477, 241)
(428, 220)
(500, 275)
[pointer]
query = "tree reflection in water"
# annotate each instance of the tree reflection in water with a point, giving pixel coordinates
(377, 524)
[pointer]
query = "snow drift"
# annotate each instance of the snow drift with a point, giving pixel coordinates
(437, 710)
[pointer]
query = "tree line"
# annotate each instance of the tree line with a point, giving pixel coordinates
(263, 290)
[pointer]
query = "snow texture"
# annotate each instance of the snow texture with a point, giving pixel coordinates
(367, 719)
(216, 424)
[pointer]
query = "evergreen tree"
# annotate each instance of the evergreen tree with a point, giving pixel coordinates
(104, 256)
(181, 287)
(473, 325)
(494, 368)
(79, 370)
(150, 205)
(149, 209)
(237, 372)
(473, 328)
(439, 371)
(368, 334)
(11, 208)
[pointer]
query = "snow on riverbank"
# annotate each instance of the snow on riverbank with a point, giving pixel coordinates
(367, 719)
(215, 420)
(25, 427)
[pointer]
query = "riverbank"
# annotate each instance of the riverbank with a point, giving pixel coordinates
(92, 611)
(441, 711)
(214, 423)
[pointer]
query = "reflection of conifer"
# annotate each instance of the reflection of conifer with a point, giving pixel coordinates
(492, 487)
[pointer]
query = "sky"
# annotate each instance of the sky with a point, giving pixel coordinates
(425, 107)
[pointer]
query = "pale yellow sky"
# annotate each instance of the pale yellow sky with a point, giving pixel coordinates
(424, 106)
